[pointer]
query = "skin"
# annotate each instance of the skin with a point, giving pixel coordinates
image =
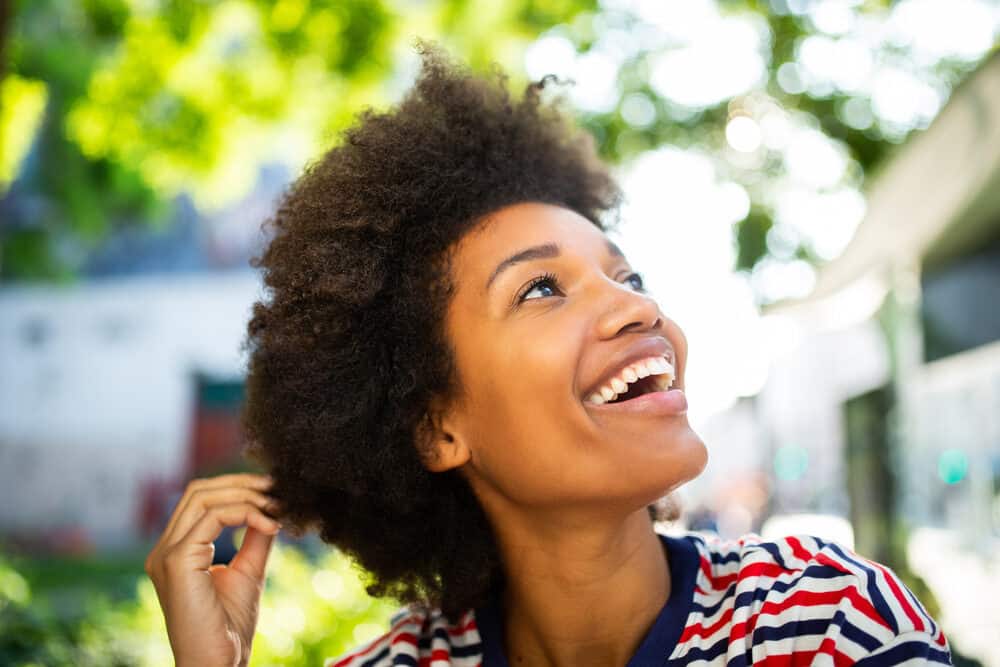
(565, 484)
(211, 610)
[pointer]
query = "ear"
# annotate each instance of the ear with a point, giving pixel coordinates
(442, 443)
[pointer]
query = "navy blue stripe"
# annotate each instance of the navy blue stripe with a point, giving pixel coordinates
(759, 594)
(772, 548)
(731, 557)
(711, 611)
(698, 653)
(441, 633)
(377, 658)
(741, 660)
(796, 628)
(905, 651)
(466, 651)
(407, 660)
(932, 626)
(818, 627)
(856, 634)
(874, 593)
(424, 644)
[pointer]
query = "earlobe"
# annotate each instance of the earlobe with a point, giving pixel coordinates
(443, 447)
(447, 453)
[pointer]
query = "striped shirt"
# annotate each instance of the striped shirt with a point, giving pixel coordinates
(793, 601)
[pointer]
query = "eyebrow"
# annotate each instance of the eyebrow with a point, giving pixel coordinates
(543, 251)
(614, 250)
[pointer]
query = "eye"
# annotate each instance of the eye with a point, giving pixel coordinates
(540, 287)
(635, 280)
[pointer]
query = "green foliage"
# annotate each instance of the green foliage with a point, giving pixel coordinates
(751, 235)
(114, 107)
(111, 108)
(312, 608)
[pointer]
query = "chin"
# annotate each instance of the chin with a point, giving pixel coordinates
(682, 459)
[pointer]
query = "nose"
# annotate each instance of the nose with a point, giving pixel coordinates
(627, 311)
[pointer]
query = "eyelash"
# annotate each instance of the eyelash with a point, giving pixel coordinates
(551, 279)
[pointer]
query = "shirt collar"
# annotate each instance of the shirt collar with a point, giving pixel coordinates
(662, 637)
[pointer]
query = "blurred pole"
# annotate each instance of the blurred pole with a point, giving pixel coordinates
(896, 458)
(908, 357)
(5, 21)
(871, 479)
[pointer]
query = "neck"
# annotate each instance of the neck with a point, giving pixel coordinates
(583, 594)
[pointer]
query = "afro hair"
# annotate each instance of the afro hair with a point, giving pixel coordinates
(347, 346)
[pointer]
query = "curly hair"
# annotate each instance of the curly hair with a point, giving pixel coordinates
(347, 345)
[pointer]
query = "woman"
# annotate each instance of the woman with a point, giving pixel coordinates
(459, 380)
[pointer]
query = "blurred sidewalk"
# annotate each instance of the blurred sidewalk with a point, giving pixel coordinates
(966, 582)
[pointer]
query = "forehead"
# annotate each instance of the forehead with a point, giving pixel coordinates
(520, 226)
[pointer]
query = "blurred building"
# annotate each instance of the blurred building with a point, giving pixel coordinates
(106, 387)
(922, 278)
(116, 390)
(899, 347)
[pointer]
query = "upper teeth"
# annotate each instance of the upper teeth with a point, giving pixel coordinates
(658, 367)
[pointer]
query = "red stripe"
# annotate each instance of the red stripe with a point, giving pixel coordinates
(698, 630)
(813, 599)
(829, 647)
(706, 568)
(752, 570)
(798, 550)
(454, 630)
(793, 659)
(404, 638)
(807, 599)
(378, 643)
(437, 655)
(823, 559)
(806, 658)
(723, 582)
(901, 597)
(765, 570)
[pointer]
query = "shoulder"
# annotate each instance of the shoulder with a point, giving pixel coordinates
(421, 637)
(803, 591)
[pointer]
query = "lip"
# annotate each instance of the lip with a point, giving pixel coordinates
(672, 402)
(654, 346)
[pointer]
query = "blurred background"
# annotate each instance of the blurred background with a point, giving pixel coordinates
(813, 194)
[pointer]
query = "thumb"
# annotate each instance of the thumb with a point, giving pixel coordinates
(251, 559)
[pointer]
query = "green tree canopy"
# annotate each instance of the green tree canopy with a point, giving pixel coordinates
(111, 108)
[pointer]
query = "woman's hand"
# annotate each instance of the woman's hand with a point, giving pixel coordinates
(211, 610)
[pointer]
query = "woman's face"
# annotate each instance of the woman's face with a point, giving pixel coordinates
(545, 312)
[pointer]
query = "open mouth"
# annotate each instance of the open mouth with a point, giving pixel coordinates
(636, 389)
(642, 377)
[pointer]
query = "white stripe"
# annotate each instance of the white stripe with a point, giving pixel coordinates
(885, 634)
(784, 646)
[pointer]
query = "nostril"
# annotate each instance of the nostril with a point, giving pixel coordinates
(631, 327)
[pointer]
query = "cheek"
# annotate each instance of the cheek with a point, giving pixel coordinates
(523, 409)
(527, 380)
(677, 338)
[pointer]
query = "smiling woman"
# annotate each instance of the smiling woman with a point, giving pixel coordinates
(456, 378)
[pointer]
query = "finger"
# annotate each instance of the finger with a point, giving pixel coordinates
(251, 559)
(239, 480)
(202, 500)
(209, 526)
